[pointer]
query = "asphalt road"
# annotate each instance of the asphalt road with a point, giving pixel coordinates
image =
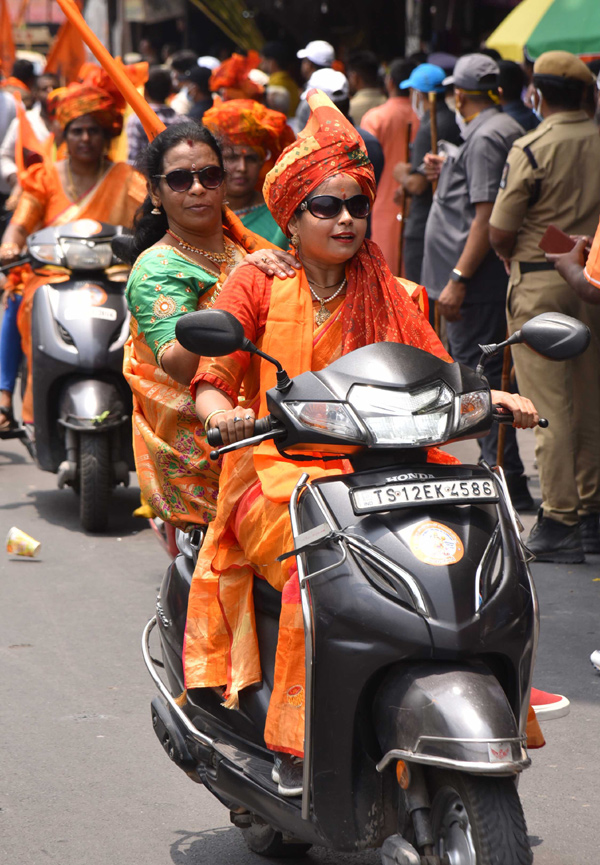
(84, 780)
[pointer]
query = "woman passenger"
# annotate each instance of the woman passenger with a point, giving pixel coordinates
(187, 244)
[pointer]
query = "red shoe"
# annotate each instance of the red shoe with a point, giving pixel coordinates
(549, 706)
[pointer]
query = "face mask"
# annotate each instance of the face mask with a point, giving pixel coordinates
(417, 105)
(536, 108)
(461, 123)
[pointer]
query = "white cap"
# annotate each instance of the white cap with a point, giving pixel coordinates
(208, 62)
(319, 52)
(333, 83)
(259, 77)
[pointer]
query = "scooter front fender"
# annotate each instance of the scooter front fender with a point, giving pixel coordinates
(91, 405)
(450, 716)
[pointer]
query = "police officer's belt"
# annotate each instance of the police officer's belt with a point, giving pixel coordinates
(531, 266)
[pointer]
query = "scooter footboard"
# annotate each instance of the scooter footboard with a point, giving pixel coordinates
(448, 715)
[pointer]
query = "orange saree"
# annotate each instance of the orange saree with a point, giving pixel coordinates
(113, 199)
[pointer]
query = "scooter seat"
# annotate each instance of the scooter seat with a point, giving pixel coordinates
(267, 600)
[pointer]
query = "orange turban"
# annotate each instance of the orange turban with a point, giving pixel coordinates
(244, 122)
(232, 77)
(81, 99)
(328, 145)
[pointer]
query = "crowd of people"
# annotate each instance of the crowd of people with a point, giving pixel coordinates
(321, 204)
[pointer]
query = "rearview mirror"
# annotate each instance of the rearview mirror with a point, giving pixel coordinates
(554, 335)
(210, 332)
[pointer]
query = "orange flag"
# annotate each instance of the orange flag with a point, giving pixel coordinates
(150, 121)
(28, 148)
(67, 53)
(7, 44)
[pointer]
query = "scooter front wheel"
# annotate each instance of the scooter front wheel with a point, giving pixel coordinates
(478, 820)
(267, 841)
(95, 481)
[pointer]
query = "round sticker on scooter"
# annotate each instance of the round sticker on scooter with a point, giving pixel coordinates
(436, 544)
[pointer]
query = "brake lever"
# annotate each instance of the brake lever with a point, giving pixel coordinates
(246, 443)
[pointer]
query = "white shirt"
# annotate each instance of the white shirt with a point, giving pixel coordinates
(8, 167)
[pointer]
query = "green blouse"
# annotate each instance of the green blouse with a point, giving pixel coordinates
(163, 285)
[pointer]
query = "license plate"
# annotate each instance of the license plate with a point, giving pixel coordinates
(422, 493)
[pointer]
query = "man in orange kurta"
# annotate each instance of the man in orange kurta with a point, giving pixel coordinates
(389, 123)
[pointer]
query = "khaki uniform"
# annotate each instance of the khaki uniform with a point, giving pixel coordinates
(551, 177)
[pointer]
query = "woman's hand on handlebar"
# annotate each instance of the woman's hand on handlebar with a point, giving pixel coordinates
(234, 424)
(523, 410)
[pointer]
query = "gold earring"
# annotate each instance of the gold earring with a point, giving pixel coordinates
(295, 241)
(156, 211)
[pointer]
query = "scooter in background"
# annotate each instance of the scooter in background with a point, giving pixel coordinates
(81, 401)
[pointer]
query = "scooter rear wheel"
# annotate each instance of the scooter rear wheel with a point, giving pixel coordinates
(478, 820)
(95, 481)
(267, 841)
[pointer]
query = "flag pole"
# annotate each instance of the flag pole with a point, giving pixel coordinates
(149, 119)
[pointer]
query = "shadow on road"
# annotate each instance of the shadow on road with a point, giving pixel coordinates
(10, 458)
(61, 508)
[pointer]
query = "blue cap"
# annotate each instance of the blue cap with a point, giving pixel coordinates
(425, 78)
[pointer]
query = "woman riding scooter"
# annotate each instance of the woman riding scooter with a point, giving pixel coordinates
(320, 193)
(84, 185)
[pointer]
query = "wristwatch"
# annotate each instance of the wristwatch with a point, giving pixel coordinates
(456, 276)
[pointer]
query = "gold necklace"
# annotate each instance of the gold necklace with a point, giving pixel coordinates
(226, 258)
(71, 181)
(323, 313)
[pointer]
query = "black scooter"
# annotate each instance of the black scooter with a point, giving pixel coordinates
(81, 401)
(420, 617)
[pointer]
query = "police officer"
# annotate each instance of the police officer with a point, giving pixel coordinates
(550, 177)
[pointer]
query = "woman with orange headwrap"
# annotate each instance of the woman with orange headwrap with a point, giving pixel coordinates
(231, 80)
(85, 184)
(252, 137)
(344, 297)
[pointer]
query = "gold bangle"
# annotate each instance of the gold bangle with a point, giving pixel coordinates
(210, 416)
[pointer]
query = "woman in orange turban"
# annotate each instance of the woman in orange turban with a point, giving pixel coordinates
(252, 138)
(344, 297)
(85, 184)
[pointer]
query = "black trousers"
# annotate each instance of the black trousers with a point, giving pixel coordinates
(480, 324)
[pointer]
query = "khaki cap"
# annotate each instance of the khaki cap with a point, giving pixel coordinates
(563, 64)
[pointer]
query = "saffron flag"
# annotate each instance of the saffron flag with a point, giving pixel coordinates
(150, 121)
(67, 53)
(7, 44)
(28, 148)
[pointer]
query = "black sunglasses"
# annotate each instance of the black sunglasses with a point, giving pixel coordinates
(182, 179)
(328, 206)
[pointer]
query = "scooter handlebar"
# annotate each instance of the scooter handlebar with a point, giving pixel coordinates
(261, 427)
(502, 415)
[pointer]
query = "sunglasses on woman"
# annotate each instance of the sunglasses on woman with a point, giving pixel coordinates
(182, 179)
(328, 206)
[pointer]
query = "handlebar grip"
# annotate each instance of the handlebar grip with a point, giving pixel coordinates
(213, 437)
(502, 415)
(260, 427)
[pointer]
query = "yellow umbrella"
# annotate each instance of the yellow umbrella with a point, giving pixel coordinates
(512, 34)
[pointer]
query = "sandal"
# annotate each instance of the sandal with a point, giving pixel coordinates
(8, 423)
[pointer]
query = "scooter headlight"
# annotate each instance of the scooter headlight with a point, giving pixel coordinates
(333, 418)
(87, 256)
(395, 417)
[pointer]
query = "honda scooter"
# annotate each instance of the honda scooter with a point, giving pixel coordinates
(81, 401)
(420, 618)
